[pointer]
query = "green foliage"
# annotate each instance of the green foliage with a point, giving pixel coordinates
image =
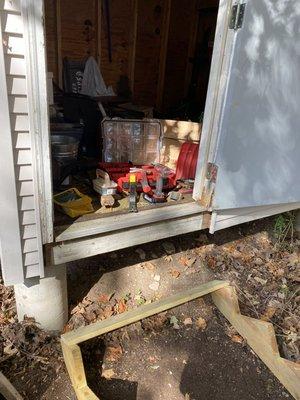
(284, 230)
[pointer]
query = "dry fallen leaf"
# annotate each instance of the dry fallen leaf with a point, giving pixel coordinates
(175, 273)
(79, 309)
(108, 374)
(187, 261)
(268, 314)
(188, 321)
(113, 353)
(260, 280)
(104, 298)
(149, 266)
(155, 323)
(174, 322)
(107, 312)
(121, 306)
(183, 261)
(211, 262)
(201, 323)
(237, 339)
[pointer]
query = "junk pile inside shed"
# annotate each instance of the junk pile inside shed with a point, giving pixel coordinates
(129, 80)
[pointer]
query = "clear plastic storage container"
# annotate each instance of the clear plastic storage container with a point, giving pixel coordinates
(138, 141)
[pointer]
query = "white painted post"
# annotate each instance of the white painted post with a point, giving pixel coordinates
(44, 299)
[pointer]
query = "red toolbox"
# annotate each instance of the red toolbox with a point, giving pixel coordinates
(186, 169)
(119, 172)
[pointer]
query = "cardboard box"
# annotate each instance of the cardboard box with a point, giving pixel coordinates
(175, 133)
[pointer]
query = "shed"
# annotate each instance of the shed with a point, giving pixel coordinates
(237, 62)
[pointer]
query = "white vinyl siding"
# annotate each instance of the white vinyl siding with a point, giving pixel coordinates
(21, 140)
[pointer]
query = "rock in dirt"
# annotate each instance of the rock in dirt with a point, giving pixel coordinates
(108, 374)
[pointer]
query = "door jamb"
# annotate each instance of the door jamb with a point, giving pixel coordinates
(35, 58)
(215, 95)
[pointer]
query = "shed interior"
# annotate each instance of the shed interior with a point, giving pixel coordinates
(154, 54)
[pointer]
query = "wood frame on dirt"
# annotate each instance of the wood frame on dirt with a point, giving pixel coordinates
(260, 335)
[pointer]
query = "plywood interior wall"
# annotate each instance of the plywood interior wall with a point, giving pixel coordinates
(152, 43)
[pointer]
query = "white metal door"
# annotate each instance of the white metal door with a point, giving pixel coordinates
(258, 131)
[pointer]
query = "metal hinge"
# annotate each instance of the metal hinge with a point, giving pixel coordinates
(237, 16)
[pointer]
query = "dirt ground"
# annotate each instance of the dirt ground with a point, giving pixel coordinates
(188, 353)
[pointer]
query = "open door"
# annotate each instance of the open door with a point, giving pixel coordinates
(254, 158)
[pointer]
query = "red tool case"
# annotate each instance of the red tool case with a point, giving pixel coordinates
(119, 172)
(186, 169)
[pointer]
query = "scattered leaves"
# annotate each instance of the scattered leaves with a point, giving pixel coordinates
(113, 353)
(201, 323)
(104, 298)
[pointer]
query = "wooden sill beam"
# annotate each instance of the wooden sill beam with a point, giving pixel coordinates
(72, 250)
(108, 223)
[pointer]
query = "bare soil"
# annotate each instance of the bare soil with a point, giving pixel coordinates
(189, 353)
